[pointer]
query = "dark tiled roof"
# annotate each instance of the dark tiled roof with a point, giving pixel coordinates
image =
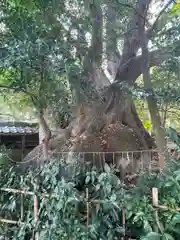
(17, 128)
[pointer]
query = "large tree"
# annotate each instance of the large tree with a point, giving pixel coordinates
(53, 38)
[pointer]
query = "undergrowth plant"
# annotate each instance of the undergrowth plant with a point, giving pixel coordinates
(82, 202)
(63, 215)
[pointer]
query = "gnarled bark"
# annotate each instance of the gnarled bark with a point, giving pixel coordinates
(99, 129)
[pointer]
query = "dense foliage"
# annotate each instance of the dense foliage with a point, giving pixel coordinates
(63, 215)
(40, 52)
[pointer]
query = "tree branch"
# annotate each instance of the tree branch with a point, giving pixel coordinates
(151, 98)
(112, 53)
(132, 41)
(94, 56)
(150, 32)
(111, 36)
(81, 44)
(132, 70)
(17, 89)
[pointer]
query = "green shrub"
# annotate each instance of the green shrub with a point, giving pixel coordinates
(63, 215)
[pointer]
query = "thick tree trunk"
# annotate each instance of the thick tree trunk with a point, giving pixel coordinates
(100, 129)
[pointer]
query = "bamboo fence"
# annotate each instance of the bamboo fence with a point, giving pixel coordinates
(155, 203)
(36, 202)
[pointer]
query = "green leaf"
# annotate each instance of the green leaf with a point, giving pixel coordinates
(113, 197)
(152, 236)
(176, 219)
(88, 178)
(177, 173)
(129, 205)
(116, 215)
(98, 186)
(60, 205)
(107, 168)
(174, 136)
(177, 178)
(106, 206)
(167, 236)
(169, 184)
(108, 188)
(120, 230)
(147, 226)
(71, 200)
(129, 214)
(101, 177)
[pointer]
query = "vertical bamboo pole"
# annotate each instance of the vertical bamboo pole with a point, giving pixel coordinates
(155, 204)
(36, 234)
(87, 209)
(124, 222)
(155, 197)
(22, 207)
(22, 147)
(87, 205)
(36, 216)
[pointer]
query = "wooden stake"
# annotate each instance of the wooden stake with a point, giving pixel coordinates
(155, 197)
(22, 147)
(22, 207)
(87, 205)
(124, 222)
(36, 216)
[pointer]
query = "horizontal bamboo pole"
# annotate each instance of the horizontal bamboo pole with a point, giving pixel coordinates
(155, 201)
(154, 197)
(3, 220)
(155, 150)
(52, 195)
(11, 190)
